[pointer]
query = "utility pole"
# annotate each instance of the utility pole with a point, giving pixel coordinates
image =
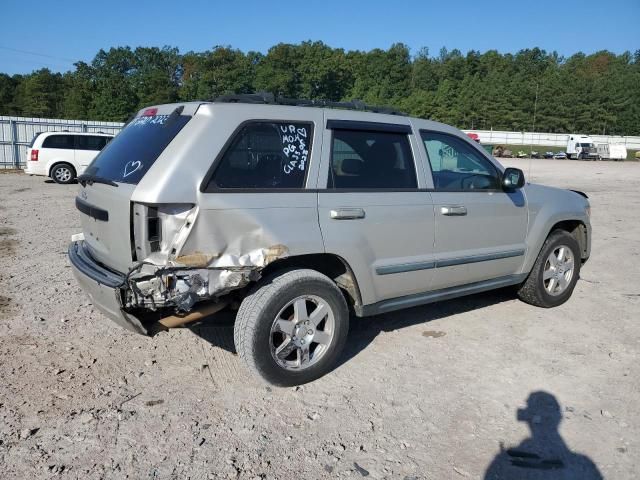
(535, 107)
(533, 126)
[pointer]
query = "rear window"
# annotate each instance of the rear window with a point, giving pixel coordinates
(33, 140)
(134, 150)
(265, 155)
(59, 141)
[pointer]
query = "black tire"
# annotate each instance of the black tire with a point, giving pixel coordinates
(252, 330)
(63, 173)
(532, 291)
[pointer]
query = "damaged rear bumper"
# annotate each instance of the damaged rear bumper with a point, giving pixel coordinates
(103, 286)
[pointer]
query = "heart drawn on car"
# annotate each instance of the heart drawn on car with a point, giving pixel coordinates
(131, 167)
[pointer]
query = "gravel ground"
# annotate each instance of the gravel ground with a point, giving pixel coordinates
(427, 393)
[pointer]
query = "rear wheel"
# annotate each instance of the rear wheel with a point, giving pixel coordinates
(292, 327)
(63, 173)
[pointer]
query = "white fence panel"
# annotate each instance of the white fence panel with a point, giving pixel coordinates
(16, 134)
(494, 137)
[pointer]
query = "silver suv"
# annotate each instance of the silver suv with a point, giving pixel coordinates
(300, 213)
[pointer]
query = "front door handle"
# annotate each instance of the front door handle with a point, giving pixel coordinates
(453, 210)
(347, 213)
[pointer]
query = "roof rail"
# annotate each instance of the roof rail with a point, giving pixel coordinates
(271, 99)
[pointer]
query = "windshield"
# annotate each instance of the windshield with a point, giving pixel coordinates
(586, 145)
(133, 151)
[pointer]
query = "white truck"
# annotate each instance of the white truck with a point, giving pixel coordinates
(581, 147)
(612, 151)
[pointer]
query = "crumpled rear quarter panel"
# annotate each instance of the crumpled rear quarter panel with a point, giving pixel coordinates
(253, 230)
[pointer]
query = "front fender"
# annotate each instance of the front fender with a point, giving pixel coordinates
(547, 207)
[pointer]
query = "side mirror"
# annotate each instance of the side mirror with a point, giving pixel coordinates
(512, 179)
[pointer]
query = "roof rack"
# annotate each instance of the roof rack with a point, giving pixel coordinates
(271, 99)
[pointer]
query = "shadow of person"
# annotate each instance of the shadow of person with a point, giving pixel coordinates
(544, 455)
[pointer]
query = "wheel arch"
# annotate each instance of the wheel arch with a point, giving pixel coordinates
(59, 161)
(578, 230)
(541, 229)
(331, 265)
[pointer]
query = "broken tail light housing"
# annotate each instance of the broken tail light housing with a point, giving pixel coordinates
(158, 230)
(34, 155)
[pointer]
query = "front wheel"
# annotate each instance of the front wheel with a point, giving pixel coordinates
(63, 173)
(292, 327)
(555, 272)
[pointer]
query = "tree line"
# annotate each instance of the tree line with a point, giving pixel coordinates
(597, 93)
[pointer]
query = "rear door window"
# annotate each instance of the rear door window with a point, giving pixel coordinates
(371, 160)
(134, 150)
(87, 142)
(265, 155)
(59, 141)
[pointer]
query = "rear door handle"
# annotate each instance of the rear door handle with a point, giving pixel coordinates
(453, 210)
(347, 213)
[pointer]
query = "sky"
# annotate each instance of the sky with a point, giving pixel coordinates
(55, 34)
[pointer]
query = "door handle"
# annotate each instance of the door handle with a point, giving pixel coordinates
(347, 213)
(453, 210)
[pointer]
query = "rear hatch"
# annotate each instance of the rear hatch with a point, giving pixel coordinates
(109, 181)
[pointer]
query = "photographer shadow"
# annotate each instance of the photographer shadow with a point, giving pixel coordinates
(544, 455)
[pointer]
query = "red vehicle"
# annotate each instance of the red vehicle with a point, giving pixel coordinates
(474, 137)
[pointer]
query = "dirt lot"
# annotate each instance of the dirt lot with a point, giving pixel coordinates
(432, 392)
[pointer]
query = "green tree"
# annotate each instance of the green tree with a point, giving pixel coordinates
(115, 98)
(40, 94)
(278, 71)
(597, 93)
(8, 86)
(155, 75)
(220, 71)
(382, 76)
(79, 91)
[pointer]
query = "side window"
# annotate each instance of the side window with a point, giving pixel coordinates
(59, 141)
(369, 159)
(265, 155)
(86, 142)
(457, 166)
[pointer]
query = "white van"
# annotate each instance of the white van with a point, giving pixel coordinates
(63, 155)
(581, 147)
(612, 151)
